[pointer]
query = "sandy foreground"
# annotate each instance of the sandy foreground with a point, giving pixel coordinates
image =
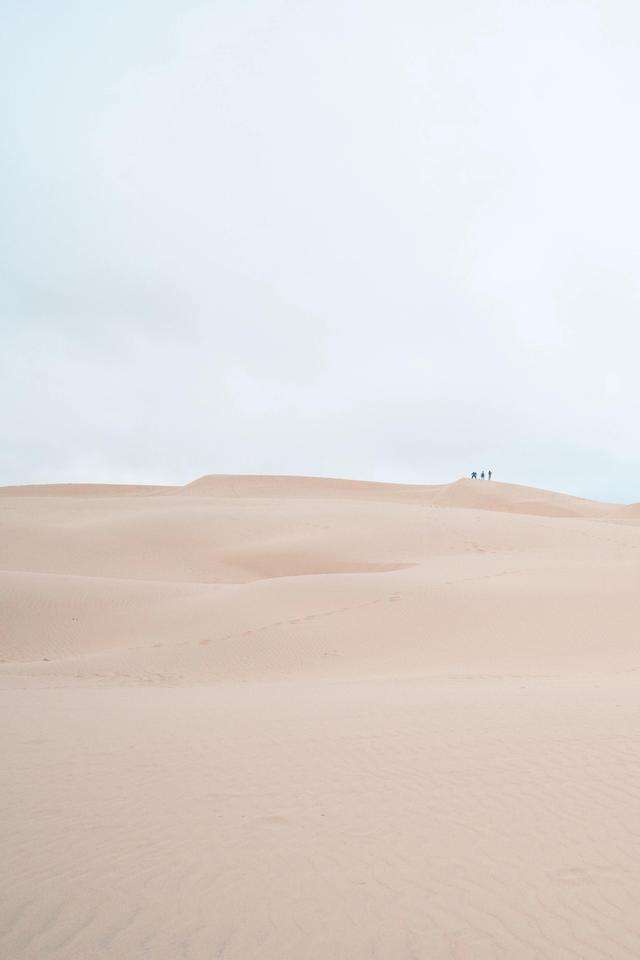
(288, 718)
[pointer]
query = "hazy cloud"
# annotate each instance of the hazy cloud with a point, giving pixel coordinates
(347, 238)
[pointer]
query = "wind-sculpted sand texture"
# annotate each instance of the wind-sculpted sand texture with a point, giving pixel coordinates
(276, 717)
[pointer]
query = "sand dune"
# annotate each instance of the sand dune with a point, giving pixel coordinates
(273, 717)
(473, 494)
(82, 490)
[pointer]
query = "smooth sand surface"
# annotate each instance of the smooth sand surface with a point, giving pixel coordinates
(287, 718)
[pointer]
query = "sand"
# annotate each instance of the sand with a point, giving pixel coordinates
(287, 718)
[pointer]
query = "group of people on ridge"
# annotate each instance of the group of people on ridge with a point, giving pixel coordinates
(474, 475)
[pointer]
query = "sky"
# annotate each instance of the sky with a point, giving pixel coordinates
(388, 241)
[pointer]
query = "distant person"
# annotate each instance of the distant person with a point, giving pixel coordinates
(482, 475)
(489, 475)
(474, 475)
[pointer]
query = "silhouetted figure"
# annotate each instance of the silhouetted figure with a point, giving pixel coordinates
(489, 475)
(482, 475)
(474, 475)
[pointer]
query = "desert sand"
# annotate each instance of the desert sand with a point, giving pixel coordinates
(287, 718)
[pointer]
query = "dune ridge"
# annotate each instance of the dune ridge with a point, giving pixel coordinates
(473, 494)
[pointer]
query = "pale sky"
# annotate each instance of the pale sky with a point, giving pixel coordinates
(391, 241)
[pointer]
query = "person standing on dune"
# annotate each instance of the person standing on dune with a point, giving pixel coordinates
(489, 474)
(482, 475)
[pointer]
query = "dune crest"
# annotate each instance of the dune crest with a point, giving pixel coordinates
(466, 493)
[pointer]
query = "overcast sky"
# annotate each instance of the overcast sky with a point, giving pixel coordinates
(392, 241)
